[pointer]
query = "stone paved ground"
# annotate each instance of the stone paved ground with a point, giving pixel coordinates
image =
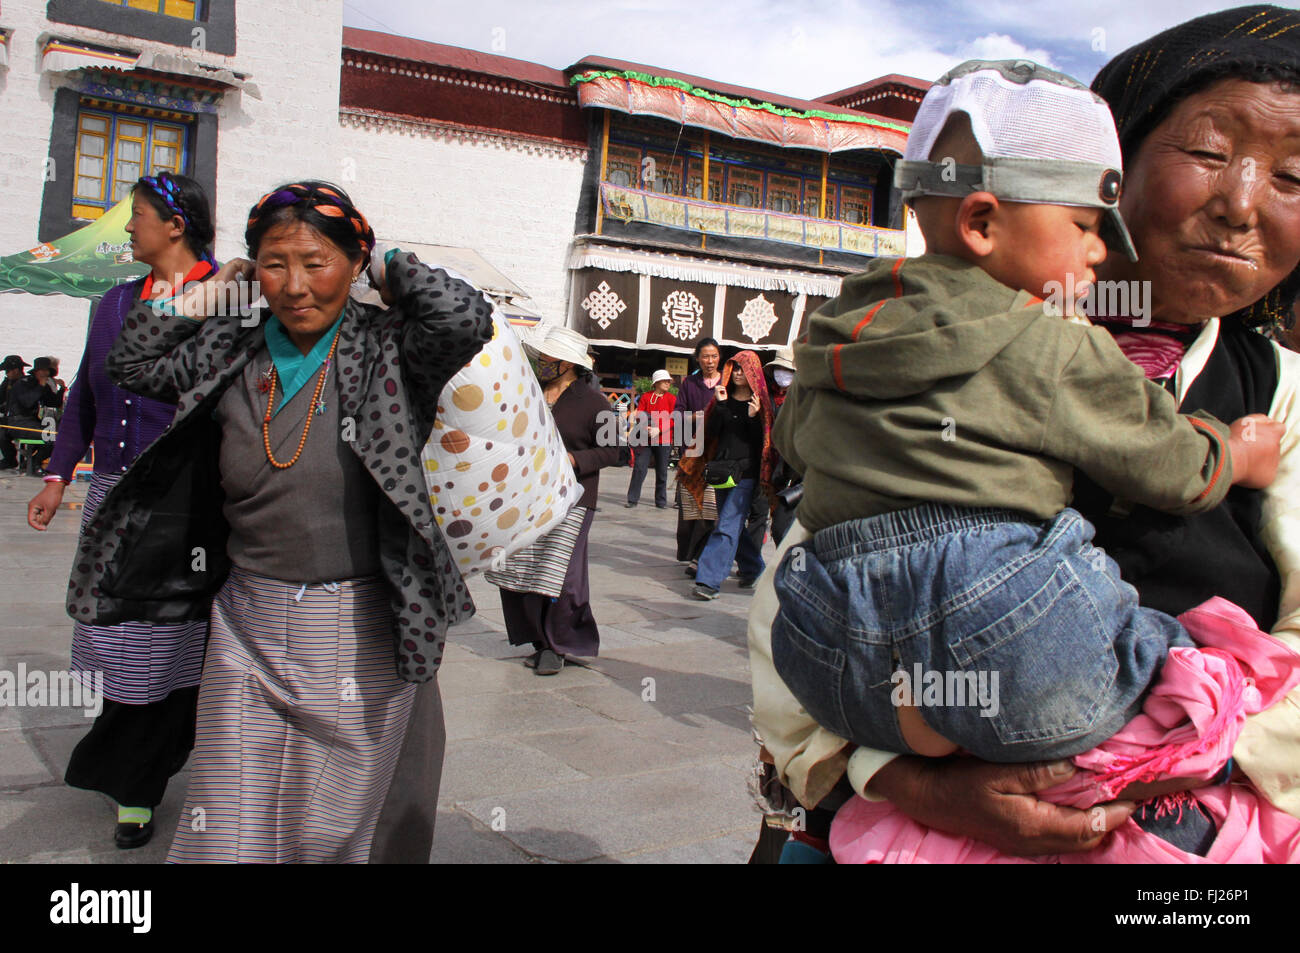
(579, 766)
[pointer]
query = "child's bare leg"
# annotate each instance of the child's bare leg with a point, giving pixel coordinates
(920, 737)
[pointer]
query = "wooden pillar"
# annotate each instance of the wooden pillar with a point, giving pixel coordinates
(704, 186)
(600, 182)
(821, 205)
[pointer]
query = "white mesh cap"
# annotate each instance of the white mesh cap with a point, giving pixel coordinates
(1046, 138)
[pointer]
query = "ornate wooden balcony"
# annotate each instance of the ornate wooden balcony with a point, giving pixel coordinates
(627, 204)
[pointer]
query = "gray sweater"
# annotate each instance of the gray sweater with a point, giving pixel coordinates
(315, 521)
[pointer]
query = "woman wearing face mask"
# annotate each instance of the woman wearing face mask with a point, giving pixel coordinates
(787, 484)
(696, 518)
(778, 373)
(545, 596)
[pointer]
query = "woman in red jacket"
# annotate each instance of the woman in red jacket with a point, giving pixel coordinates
(652, 436)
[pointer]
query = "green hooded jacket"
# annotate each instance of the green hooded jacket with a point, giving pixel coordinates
(927, 380)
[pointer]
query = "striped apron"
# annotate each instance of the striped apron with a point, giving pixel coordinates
(691, 511)
(142, 662)
(300, 722)
(542, 565)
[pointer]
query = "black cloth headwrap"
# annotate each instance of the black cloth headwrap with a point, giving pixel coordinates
(1259, 43)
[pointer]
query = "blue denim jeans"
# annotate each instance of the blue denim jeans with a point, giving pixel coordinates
(729, 540)
(1017, 641)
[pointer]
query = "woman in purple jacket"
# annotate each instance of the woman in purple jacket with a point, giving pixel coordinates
(696, 395)
(150, 672)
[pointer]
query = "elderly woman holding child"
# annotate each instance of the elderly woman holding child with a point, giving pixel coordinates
(1208, 117)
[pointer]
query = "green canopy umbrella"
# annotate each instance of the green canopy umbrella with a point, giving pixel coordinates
(84, 264)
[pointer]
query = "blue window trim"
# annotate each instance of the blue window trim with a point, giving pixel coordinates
(111, 157)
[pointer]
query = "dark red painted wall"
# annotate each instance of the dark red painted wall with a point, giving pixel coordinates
(448, 102)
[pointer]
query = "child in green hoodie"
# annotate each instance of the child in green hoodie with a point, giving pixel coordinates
(950, 549)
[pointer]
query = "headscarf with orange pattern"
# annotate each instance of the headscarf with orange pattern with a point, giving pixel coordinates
(324, 207)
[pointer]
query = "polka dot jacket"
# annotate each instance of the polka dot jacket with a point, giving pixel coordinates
(156, 549)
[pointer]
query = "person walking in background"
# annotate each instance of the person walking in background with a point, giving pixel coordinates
(151, 671)
(545, 593)
(787, 485)
(696, 516)
(653, 423)
(13, 372)
(737, 459)
(778, 374)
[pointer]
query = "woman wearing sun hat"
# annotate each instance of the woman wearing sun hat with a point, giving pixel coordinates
(654, 425)
(545, 596)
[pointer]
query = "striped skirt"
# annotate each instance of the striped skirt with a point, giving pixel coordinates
(541, 566)
(300, 722)
(694, 511)
(142, 662)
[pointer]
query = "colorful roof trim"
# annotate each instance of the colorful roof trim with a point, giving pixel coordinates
(590, 75)
(681, 102)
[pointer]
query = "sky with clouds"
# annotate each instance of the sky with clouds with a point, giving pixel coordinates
(799, 48)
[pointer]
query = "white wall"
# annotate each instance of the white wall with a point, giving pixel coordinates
(31, 325)
(291, 133)
(512, 200)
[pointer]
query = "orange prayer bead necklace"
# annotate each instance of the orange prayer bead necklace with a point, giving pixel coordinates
(312, 411)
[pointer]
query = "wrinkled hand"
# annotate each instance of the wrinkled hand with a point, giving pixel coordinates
(995, 803)
(44, 505)
(235, 270)
(379, 272)
(202, 300)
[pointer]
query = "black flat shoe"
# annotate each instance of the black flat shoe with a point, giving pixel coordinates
(549, 663)
(531, 661)
(131, 835)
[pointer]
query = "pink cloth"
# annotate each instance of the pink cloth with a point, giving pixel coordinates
(1188, 726)
(1157, 348)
